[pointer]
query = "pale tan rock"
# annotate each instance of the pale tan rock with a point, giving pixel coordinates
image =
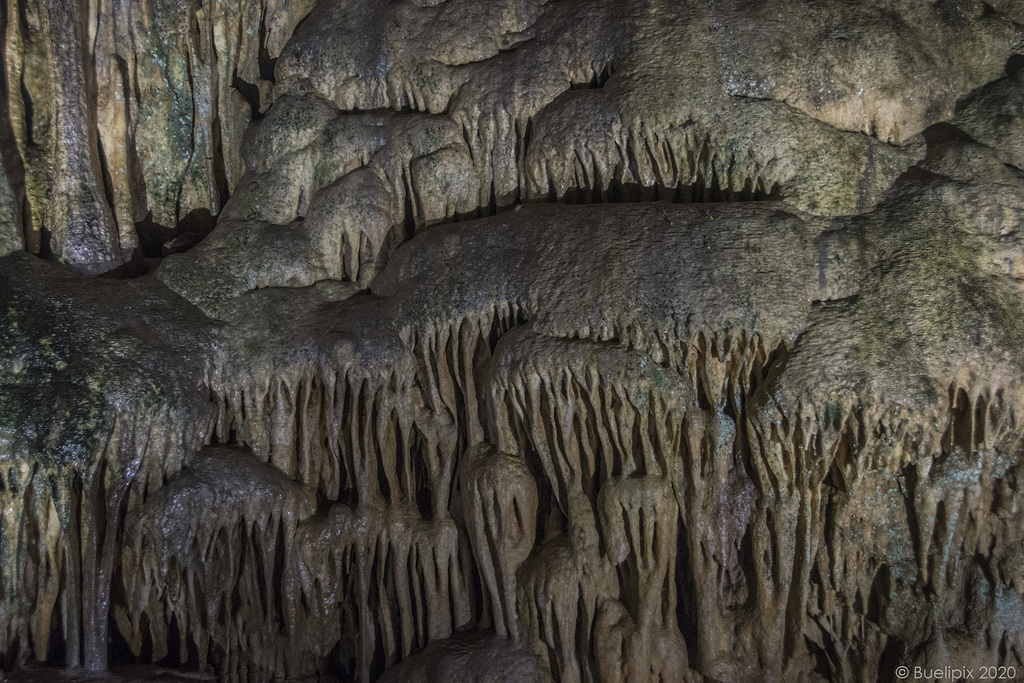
(724, 383)
(739, 114)
(500, 495)
(154, 96)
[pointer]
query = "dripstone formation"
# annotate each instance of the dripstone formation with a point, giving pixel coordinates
(519, 340)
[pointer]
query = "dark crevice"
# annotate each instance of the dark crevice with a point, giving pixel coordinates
(1014, 65)
(878, 597)
(277, 581)
(119, 651)
(173, 658)
(156, 240)
(615, 193)
(26, 99)
(908, 486)
(22, 14)
(56, 654)
(822, 662)
(250, 93)
(410, 216)
(220, 174)
(686, 592)
(403, 108)
(598, 80)
(152, 236)
(514, 46)
(198, 222)
(892, 656)
(941, 133)
(108, 182)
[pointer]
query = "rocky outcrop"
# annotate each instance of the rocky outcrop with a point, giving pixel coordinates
(130, 113)
(818, 104)
(127, 118)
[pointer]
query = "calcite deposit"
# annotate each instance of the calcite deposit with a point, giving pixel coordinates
(515, 340)
(125, 118)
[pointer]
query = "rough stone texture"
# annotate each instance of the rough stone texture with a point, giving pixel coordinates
(469, 661)
(529, 101)
(662, 341)
(132, 112)
(95, 402)
(11, 237)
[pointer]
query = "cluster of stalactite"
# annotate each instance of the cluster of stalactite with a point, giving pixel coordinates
(435, 169)
(125, 129)
(330, 194)
(623, 518)
(214, 552)
(63, 536)
(126, 113)
(365, 146)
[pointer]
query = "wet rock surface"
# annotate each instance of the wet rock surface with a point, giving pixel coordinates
(664, 341)
(126, 116)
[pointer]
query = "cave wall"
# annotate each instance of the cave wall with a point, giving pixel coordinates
(133, 111)
(660, 342)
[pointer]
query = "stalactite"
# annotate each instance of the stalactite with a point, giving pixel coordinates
(501, 496)
(196, 568)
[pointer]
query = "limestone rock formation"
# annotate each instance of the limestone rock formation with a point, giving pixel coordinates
(610, 341)
(130, 114)
(11, 237)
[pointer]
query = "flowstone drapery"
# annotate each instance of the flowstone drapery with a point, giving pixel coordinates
(511, 341)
